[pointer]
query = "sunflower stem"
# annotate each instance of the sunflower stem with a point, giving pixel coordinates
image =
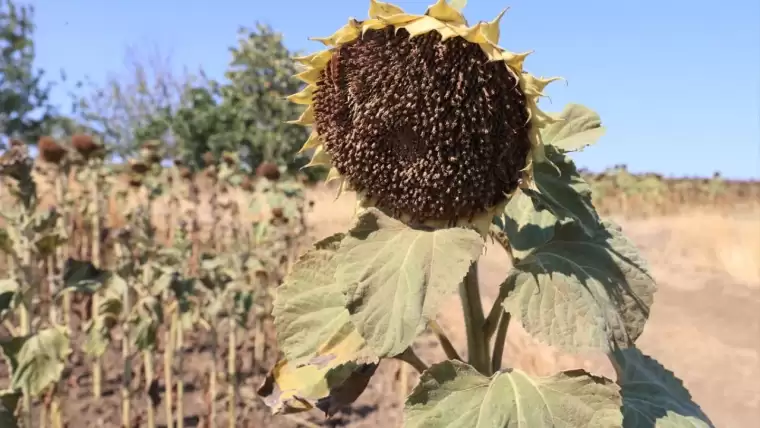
(501, 338)
(446, 344)
(478, 353)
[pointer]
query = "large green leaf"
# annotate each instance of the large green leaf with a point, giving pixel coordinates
(653, 396)
(526, 225)
(453, 394)
(564, 191)
(327, 362)
(581, 293)
(395, 276)
(579, 128)
(41, 360)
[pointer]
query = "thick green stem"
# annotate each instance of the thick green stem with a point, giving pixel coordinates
(446, 344)
(180, 383)
(127, 375)
(168, 359)
(501, 337)
(97, 367)
(214, 376)
(478, 353)
(232, 375)
(149, 374)
(25, 316)
(26, 329)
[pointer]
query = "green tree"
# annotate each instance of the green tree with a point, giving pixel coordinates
(259, 78)
(25, 110)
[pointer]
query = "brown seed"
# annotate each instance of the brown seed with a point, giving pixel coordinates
(50, 150)
(269, 170)
(277, 212)
(403, 119)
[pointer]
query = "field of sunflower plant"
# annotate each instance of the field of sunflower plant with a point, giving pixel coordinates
(437, 130)
(120, 282)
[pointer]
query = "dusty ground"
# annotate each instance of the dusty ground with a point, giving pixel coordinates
(705, 326)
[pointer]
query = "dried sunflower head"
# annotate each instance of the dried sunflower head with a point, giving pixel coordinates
(86, 146)
(138, 166)
(268, 170)
(423, 116)
(50, 151)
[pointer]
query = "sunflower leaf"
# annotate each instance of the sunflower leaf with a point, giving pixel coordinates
(323, 383)
(600, 291)
(526, 225)
(309, 309)
(653, 396)
(41, 360)
(327, 363)
(567, 195)
(579, 128)
(453, 394)
(394, 276)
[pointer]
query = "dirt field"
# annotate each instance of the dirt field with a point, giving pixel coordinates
(704, 326)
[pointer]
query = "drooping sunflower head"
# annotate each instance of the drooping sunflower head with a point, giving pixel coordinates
(50, 150)
(422, 115)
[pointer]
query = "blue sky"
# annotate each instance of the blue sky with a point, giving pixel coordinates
(677, 83)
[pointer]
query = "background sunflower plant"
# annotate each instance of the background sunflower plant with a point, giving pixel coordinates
(438, 131)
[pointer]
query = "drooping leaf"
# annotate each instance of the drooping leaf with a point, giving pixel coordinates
(98, 329)
(41, 360)
(526, 226)
(8, 402)
(653, 396)
(82, 276)
(309, 307)
(317, 383)
(394, 276)
(581, 293)
(327, 362)
(453, 394)
(579, 128)
(566, 194)
(145, 320)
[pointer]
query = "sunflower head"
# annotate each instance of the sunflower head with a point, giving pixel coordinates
(50, 151)
(86, 146)
(424, 116)
(268, 170)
